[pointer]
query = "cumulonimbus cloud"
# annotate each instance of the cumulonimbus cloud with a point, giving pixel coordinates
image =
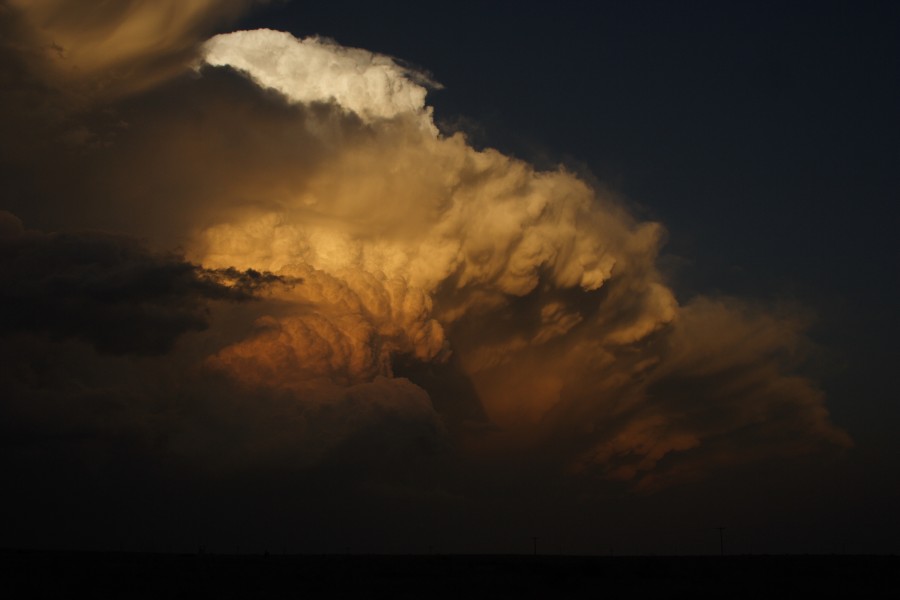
(546, 290)
(416, 251)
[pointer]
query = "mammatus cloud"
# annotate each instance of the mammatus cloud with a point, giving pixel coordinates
(75, 303)
(422, 261)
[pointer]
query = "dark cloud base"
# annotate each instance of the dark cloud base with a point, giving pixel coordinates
(109, 290)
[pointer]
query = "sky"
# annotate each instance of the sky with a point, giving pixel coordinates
(410, 278)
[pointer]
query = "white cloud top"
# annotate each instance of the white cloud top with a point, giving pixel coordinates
(310, 70)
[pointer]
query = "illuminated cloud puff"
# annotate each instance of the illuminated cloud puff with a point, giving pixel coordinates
(545, 289)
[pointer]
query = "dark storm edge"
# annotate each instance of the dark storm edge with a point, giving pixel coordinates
(150, 575)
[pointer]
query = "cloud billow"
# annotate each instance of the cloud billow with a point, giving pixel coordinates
(545, 289)
(421, 258)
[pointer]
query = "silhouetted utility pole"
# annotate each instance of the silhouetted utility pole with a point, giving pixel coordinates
(534, 539)
(721, 540)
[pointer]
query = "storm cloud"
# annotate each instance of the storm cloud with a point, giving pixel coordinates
(390, 263)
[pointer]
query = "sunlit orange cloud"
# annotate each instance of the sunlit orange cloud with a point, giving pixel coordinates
(413, 247)
(546, 290)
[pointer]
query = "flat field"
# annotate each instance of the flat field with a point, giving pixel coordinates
(152, 575)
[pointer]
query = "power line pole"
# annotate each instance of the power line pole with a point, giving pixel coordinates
(721, 540)
(534, 539)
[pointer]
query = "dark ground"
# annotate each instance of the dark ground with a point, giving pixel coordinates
(143, 575)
